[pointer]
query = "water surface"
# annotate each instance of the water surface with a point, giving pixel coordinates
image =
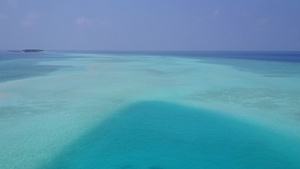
(149, 110)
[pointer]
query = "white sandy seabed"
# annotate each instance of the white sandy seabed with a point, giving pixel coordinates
(42, 115)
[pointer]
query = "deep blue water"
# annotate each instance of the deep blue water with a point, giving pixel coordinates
(161, 135)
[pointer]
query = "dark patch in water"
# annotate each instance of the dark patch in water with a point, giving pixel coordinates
(156, 168)
(154, 134)
(127, 167)
(15, 66)
(155, 72)
(262, 67)
(21, 69)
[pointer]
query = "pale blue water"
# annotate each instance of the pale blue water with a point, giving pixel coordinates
(210, 110)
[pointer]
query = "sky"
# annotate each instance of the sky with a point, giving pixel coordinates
(150, 25)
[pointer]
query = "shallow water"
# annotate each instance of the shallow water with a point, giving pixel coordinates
(149, 110)
(154, 134)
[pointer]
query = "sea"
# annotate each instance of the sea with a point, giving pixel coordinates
(150, 110)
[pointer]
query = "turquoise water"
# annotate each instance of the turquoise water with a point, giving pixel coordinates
(160, 135)
(150, 110)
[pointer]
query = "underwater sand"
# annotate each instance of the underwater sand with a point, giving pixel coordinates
(141, 111)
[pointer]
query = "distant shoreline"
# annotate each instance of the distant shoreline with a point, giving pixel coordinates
(28, 50)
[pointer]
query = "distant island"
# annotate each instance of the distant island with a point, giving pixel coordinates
(28, 50)
(33, 50)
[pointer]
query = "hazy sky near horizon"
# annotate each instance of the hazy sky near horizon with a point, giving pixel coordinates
(150, 24)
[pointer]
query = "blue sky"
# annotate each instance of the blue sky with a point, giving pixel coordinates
(150, 24)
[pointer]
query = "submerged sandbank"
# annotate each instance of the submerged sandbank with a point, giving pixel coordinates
(45, 114)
